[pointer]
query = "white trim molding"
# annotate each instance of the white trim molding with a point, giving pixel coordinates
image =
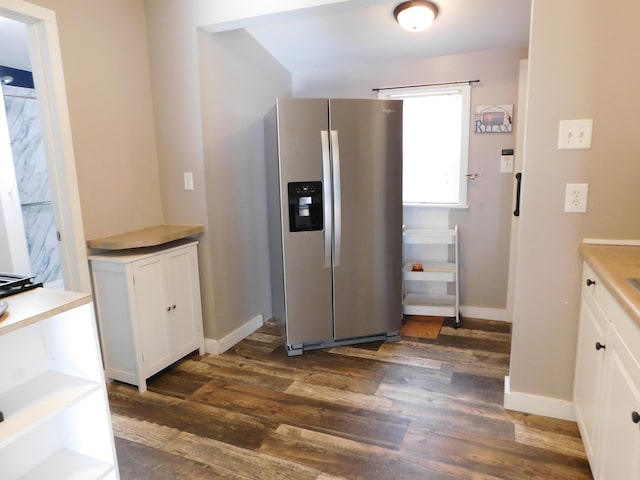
(484, 313)
(605, 241)
(216, 347)
(537, 404)
(46, 61)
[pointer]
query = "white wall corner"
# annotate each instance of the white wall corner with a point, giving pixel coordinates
(216, 347)
(537, 404)
(484, 313)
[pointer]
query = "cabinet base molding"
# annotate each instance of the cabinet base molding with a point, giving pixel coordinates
(217, 347)
(537, 404)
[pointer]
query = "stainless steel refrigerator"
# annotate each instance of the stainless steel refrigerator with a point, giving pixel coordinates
(334, 183)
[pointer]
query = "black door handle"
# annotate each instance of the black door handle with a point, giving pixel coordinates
(600, 346)
(590, 282)
(516, 212)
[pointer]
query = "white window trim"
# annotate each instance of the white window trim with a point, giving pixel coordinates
(465, 90)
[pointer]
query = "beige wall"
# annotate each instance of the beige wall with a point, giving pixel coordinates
(106, 68)
(233, 109)
(485, 226)
(190, 89)
(583, 63)
(614, 168)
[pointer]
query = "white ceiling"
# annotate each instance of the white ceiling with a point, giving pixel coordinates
(365, 32)
(370, 34)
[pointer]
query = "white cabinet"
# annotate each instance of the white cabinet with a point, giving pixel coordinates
(433, 290)
(149, 309)
(589, 359)
(607, 383)
(619, 453)
(52, 391)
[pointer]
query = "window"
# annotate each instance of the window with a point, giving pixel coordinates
(435, 143)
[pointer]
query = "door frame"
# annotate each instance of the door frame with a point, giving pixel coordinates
(46, 63)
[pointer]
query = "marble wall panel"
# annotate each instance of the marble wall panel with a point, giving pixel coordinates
(33, 182)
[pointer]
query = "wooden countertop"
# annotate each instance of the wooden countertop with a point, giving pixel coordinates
(38, 304)
(145, 237)
(614, 264)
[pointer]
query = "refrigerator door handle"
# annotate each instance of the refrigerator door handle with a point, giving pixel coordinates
(326, 180)
(337, 201)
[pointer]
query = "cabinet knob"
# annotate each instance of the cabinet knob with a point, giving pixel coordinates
(173, 307)
(635, 417)
(600, 346)
(168, 308)
(590, 282)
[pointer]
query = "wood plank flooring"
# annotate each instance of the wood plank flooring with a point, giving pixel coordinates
(415, 409)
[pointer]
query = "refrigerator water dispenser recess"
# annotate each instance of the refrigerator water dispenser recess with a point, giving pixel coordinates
(305, 206)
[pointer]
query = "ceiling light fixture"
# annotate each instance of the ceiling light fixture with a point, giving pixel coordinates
(6, 79)
(415, 15)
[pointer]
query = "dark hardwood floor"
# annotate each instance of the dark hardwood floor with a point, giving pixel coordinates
(415, 409)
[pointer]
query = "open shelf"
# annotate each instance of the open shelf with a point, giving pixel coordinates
(52, 392)
(29, 404)
(426, 304)
(430, 236)
(66, 464)
(442, 272)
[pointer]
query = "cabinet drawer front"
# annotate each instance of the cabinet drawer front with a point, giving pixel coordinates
(626, 327)
(594, 291)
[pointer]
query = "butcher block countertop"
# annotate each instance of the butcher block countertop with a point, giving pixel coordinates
(146, 237)
(614, 264)
(38, 304)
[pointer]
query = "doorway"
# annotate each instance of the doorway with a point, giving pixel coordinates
(31, 179)
(45, 57)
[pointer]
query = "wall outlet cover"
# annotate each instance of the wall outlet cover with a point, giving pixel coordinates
(575, 198)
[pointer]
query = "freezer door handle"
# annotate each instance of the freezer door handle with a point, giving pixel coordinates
(337, 200)
(326, 180)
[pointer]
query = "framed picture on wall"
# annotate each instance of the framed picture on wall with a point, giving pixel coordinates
(494, 119)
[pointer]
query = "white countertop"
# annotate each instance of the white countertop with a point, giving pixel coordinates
(38, 304)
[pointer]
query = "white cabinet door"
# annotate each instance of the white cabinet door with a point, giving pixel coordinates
(589, 363)
(185, 325)
(619, 451)
(152, 308)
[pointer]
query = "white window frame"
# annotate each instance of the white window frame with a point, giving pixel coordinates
(464, 90)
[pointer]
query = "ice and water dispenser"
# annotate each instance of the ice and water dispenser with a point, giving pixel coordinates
(305, 206)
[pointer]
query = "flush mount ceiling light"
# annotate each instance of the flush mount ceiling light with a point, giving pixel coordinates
(415, 15)
(6, 79)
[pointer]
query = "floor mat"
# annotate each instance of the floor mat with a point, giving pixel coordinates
(421, 326)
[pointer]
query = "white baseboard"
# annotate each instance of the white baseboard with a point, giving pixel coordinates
(216, 347)
(484, 313)
(537, 404)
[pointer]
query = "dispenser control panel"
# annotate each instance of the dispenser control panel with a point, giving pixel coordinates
(305, 206)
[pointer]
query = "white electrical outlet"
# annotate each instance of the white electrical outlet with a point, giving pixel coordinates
(575, 198)
(188, 181)
(575, 134)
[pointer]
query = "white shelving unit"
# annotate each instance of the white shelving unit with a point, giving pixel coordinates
(435, 289)
(52, 391)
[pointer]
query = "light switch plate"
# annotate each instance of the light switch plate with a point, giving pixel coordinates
(506, 164)
(575, 134)
(188, 180)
